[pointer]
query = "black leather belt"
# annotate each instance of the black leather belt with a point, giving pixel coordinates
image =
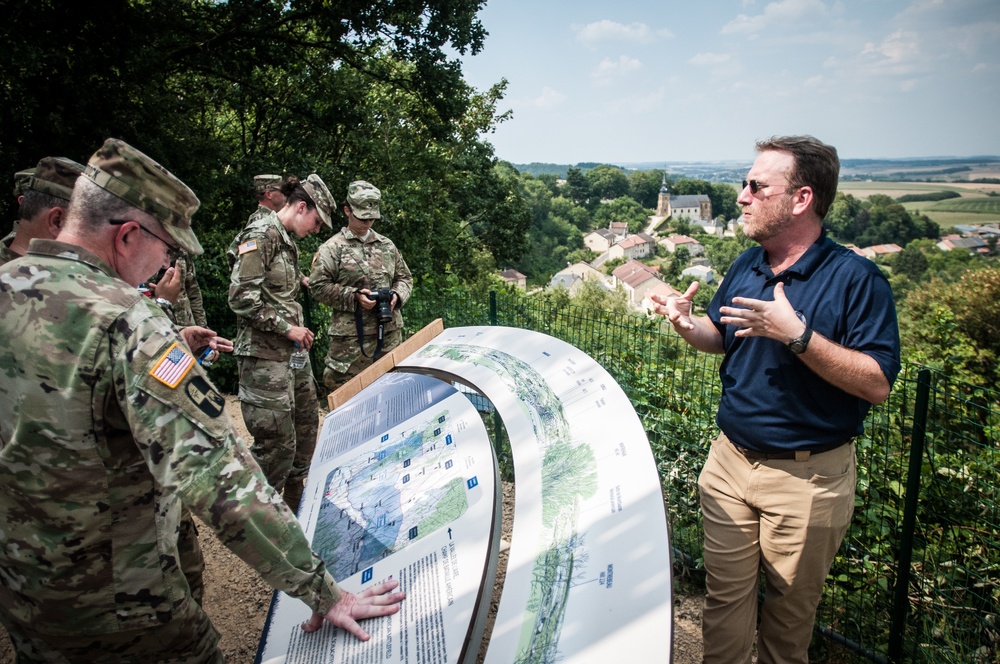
(798, 455)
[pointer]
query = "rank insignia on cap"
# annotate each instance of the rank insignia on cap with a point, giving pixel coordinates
(172, 366)
(248, 246)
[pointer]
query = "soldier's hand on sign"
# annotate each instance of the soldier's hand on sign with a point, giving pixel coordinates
(374, 602)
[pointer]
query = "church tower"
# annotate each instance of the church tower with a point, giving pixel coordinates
(663, 202)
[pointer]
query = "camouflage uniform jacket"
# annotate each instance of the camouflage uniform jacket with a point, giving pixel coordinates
(189, 308)
(6, 255)
(345, 264)
(98, 453)
(263, 288)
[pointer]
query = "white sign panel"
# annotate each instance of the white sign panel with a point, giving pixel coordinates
(589, 573)
(403, 485)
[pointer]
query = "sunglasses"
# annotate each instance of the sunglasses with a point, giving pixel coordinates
(173, 251)
(756, 186)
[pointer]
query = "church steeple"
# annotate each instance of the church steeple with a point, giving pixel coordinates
(663, 202)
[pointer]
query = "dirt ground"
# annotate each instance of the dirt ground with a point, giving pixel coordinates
(237, 600)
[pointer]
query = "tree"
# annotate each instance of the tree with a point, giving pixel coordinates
(606, 183)
(622, 209)
(220, 91)
(576, 189)
(644, 187)
(911, 262)
(955, 327)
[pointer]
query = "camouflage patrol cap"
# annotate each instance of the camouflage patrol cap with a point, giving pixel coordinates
(364, 197)
(120, 169)
(262, 183)
(322, 197)
(21, 180)
(55, 176)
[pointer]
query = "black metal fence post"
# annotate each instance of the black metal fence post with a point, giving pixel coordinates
(900, 603)
(493, 307)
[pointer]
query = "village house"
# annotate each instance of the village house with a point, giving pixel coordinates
(880, 250)
(600, 240)
(512, 276)
(634, 246)
(974, 243)
(637, 279)
(573, 276)
(673, 242)
(702, 273)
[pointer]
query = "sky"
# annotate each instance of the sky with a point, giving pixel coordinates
(621, 81)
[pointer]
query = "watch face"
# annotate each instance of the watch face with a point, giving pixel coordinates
(799, 345)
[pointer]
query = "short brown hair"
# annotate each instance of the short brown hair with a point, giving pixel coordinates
(816, 165)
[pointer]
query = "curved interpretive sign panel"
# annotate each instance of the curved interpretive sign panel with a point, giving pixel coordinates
(402, 485)
(589, 573)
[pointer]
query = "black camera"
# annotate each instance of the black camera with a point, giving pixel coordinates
(383, 304)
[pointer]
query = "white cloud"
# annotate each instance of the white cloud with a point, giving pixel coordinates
(612, 31)
(909, 85)
(782, 12)
(608, 69)
(898, 53)
(549, 98)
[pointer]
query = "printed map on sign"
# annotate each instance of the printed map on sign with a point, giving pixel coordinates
(380, 501)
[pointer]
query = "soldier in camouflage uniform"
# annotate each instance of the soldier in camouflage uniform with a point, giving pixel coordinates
(43, 199)
(346, 270)
(272, 191)
(279, 402)
(108, 428)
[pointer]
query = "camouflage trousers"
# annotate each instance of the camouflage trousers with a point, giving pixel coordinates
(189, 638)
(344, 360)
(281, 411)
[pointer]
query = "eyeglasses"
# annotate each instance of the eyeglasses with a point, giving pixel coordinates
(173, 251)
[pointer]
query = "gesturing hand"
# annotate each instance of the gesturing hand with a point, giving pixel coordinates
(350, 608)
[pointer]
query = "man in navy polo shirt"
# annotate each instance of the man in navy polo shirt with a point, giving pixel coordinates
(808, 330)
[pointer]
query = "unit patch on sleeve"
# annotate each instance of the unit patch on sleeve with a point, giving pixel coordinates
(172, 366)
(248, 246)
(203, 395)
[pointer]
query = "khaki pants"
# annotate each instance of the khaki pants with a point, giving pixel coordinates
(786, 517)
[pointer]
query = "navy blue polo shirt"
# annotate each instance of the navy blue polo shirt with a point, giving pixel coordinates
(771, 401)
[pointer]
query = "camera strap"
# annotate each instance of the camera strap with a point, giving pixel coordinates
(360, 325)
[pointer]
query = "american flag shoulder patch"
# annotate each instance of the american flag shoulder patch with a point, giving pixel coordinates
(248, 246)
(172, 366)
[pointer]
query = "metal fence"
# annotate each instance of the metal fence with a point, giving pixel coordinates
(918, 576)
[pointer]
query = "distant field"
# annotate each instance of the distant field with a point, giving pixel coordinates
(989, 205)
(974, 207)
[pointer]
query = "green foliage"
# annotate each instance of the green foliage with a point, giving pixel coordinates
(644, 187)
(606, 183)
(955, 327)
(622, 209)
(877, 220)
(221, 91)
(929, 196)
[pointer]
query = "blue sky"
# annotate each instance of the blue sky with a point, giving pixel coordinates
(701, 80)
